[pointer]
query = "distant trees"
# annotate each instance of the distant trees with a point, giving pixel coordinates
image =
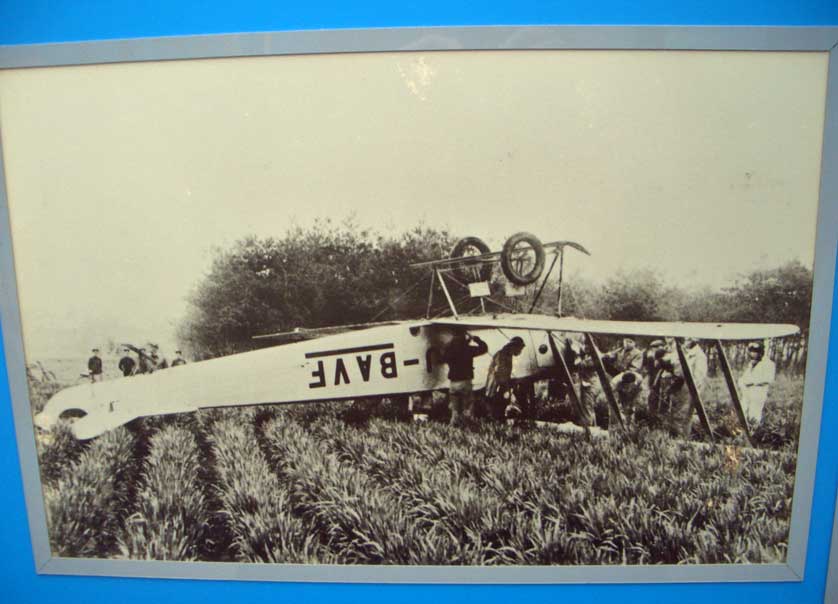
(338, 273)
(778, 295)
(640, 295)
(328, 274)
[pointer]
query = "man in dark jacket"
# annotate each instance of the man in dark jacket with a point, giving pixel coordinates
(94, 366)
(127, 364)
(626, 358)
(499, 379)
(459, 356)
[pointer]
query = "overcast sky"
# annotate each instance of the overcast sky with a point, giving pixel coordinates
(121, 178)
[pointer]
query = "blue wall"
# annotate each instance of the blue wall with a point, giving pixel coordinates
(27, 22)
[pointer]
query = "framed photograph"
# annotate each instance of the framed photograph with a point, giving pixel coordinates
(473, 305)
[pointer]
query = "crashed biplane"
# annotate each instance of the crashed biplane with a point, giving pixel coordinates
(398, 358)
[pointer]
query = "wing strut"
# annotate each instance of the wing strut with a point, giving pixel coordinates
(603, 380)
(430, 297)
(688, 377)
(561, 277)
(447, 295)
(734, 393)
(564, 373)
(543, 283)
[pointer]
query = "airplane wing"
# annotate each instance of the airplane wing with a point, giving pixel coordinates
(382, 360)
(310, 333)
(655, 329)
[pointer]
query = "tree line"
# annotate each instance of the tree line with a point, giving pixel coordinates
(338, 273)
(781, 294)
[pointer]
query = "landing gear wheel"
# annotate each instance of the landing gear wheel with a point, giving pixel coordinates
(522, 258)
(471, 272)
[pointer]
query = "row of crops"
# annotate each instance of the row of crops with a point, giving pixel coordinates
(290, 486)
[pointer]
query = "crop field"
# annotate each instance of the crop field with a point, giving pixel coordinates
(354, 483)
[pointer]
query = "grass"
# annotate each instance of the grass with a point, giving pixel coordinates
(171, 516)
(780, 425)
(355, 484)
(256, 506)
(356, 521)
(85, 507)
(532, 497)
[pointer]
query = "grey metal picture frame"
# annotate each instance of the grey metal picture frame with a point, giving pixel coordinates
(831, 591)
(823, 40)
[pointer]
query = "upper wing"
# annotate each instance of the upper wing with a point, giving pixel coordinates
(657, 329)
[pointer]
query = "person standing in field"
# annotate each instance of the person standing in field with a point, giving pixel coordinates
(178, 360)
(697, 360)
(143, 362)
(459, 355)
(499, 379)
(756, 379)
(591, 396)
(652, 370)
(675, 404)
(158, 361)
(127, 364)
(572, 350)
(94, 366)
(626, 358)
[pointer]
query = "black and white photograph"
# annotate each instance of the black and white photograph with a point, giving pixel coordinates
(475, 308)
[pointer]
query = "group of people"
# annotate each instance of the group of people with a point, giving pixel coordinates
(653, 376)
(135, 361)
(459, 355)
(652, 379)
(656, 377)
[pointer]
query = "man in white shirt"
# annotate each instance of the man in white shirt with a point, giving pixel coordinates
(755, 381)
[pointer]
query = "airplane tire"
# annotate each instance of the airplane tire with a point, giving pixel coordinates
(471, 246)
(509, 258)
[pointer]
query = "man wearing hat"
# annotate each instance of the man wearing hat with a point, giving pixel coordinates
(755, 381)
(158, 361)
(626, 358)
(178, 360)
(94, 366)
